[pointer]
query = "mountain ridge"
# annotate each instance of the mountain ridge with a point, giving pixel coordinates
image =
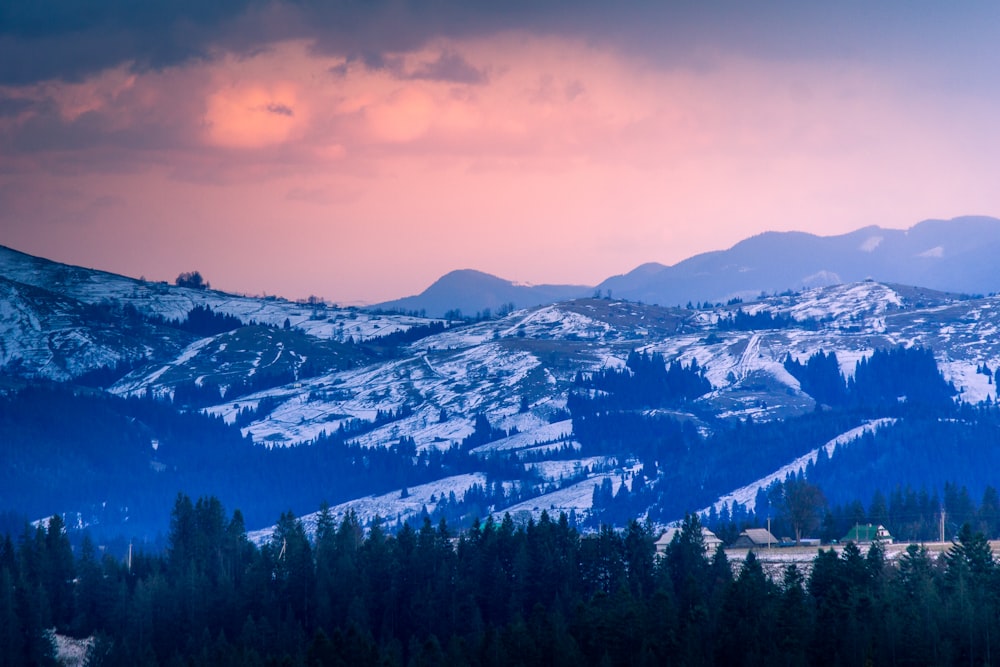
(315, 402)
(955, 255)
(469, 291)
(950, 255)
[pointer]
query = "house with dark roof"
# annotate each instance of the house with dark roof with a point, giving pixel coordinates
(755, 538)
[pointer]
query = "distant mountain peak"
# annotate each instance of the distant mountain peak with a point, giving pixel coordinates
(471, 291)
(963, 250)
(951, 255)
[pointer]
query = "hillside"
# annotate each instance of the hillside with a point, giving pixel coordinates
(400, 416)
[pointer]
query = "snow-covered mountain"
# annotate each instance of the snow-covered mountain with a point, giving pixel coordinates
(59, 321)
(536, 353)
(518, 371)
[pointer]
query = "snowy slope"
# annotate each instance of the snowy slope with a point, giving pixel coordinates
(390, 507)
(88, 286)
(47, 335)
(517, 371)
(575, 497)
(747, 495)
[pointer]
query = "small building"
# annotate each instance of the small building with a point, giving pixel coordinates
(866, 534)
(755, 538)
(708, 537)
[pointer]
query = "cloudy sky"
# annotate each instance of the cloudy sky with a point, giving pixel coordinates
(359, 150)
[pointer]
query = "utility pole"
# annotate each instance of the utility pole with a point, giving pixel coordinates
(942, 525)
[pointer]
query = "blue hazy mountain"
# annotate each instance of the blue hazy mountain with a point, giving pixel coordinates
(472, 291)
(955, 255)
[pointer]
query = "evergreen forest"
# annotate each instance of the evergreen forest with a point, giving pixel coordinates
(72, 447)
(539, 593)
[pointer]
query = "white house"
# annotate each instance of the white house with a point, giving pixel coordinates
(710, 539)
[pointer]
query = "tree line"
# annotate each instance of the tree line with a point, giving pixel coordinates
(538, 593)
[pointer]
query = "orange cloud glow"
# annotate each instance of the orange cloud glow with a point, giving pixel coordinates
(253, 117)
(538, 159)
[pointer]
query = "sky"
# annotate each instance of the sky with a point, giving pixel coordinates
(358, 150)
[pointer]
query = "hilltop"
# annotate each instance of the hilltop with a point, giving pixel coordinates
(400, 415)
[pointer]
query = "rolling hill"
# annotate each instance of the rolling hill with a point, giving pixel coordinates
(401, 416)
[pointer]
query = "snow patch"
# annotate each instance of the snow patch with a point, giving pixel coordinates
(390, 507)
(973, 386)
(552, 471)
(558, 432)
(70, 652)
(870, 243)
(577, 498)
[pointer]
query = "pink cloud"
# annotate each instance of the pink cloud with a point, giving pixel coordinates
(544, 160)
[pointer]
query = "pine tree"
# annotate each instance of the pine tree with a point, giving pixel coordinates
(11, 632)
(58, 572)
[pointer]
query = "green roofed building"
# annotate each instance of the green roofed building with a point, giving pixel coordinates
(865, 534)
